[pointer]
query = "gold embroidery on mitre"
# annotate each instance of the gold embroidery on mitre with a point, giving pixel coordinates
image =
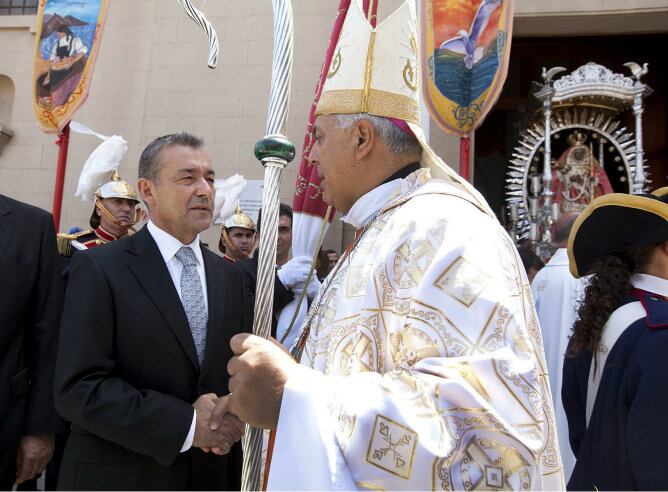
(335, 65)
(410, 73)
(380, 103)
(367, 74)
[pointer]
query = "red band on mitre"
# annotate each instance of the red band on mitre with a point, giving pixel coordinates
(402, 125)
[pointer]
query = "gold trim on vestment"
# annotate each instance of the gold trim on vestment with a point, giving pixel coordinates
(380, 103)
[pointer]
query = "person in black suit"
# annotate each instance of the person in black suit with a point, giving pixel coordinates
(145, 333)
(30, 308)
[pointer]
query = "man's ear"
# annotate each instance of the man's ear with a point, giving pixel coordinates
(365, 138)
(146, 190)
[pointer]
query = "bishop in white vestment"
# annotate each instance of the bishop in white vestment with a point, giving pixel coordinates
(422, 364)
(427, 359)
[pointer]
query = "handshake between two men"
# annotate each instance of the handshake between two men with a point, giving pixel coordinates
(258, 372)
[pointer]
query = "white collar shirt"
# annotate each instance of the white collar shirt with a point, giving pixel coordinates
(168, 246)
(650, 283)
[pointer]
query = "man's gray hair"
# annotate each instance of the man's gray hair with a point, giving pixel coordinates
(149, 164)
(397, 141)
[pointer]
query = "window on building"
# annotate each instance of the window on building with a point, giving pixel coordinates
(18, 7)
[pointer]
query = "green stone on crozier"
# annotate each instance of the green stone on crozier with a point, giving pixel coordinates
(275, 146)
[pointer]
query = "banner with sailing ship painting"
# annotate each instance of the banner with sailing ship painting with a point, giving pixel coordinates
(68, 39)
(464, 54)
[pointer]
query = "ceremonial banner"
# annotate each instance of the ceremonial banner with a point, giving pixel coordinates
(464, 54)
(68, 39)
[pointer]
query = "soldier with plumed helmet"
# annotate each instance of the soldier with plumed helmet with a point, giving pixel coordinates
(115, 208)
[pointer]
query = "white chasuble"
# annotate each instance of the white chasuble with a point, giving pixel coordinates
(556, 293)
(424, 366)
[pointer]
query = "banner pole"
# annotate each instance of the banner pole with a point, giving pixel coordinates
(64, 143)
(465, 158)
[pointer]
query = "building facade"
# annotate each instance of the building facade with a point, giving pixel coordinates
(151, 79)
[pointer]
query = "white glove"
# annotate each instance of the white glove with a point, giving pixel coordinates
(294, 272)
(313, 287)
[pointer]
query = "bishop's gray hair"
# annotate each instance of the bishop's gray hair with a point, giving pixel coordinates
(397, 141)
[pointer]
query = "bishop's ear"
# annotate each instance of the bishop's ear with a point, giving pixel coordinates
(366, 136)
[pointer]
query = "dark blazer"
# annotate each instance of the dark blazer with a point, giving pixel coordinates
(127, 371)
(30, 306)
(624, 446)
(282, 295)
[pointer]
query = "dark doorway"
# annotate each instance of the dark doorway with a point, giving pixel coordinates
(499, 134)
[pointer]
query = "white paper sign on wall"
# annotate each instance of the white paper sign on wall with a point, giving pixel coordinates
(251, 198)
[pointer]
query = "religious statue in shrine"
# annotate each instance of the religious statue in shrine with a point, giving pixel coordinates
(578, 177)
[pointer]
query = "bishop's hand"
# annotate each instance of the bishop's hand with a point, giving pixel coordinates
(258, 373)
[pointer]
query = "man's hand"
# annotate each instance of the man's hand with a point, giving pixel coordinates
(258, 371)
(228, 426)
(219, 439)
(33, 456)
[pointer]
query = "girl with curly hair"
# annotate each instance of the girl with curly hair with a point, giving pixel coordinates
(614, 380)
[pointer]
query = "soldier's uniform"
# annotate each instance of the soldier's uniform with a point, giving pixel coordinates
(68, 244)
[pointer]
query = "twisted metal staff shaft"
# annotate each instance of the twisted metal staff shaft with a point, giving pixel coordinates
(252, 443)
(275, 152)
(202, 22)
(281, 68)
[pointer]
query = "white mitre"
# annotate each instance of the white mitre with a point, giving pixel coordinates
(376, 71)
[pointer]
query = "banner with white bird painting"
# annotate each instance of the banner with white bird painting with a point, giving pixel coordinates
(464, 52)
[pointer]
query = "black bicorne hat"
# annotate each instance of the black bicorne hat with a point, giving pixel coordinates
(615, 223)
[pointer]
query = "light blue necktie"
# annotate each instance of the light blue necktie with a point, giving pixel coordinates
(192, 298)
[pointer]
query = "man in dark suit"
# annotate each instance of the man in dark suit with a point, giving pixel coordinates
(145, 333)
(30, 308)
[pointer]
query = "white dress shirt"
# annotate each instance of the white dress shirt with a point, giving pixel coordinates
(168, 246)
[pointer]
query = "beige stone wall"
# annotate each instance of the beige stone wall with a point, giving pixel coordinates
(577, 17)
(151, 78)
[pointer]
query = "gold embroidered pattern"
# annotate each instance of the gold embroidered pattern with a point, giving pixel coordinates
(357, 356)
(392, 447)
(463, 281)
(335, 65)
(380, 103)
(489, 465)
(410, 346)
(367, 73)
(412, 261)
(411, 74)
(357, 280)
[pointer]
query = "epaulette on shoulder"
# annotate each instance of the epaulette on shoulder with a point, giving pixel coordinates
(656, 307)
(64, 241)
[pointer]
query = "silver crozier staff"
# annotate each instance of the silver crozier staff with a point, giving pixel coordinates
(274, 151)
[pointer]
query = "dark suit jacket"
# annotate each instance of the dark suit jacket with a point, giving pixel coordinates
(30, 307)
(127, 371)
(282, 295)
